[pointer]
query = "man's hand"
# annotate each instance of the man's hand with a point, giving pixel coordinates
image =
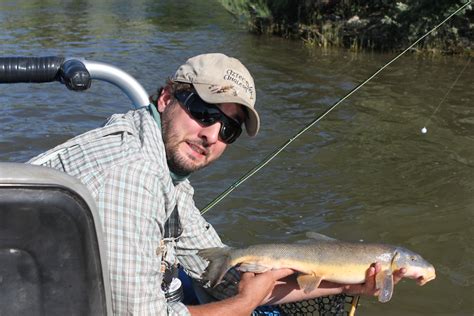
(253, 291)
(369, 287)
(257, 288)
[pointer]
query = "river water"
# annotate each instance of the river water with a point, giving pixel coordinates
(365, 172)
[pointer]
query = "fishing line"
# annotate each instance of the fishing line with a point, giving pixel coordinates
(270, 157)
(424, 130)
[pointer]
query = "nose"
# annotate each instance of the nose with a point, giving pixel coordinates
(210, 133)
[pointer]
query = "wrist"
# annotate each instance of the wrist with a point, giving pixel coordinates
(248, 303)
(345, 289)
(335, 288)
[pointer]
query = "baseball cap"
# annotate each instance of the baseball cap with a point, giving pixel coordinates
(218, 78)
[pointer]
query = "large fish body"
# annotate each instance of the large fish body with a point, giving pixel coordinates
(321, 259)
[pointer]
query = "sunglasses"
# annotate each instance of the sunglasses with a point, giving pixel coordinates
(208, 114)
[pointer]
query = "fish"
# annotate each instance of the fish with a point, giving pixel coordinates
(322, 258)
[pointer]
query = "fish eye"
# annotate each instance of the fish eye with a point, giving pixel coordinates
(413, 258)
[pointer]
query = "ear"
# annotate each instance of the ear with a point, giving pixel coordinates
(164, 99)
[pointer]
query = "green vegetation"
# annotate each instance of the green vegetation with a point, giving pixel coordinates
(361, 24)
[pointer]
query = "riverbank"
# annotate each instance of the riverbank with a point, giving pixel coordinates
(361, 25)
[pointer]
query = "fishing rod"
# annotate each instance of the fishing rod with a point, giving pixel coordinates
(270, 157)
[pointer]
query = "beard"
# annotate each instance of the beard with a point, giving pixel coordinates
(178, 162)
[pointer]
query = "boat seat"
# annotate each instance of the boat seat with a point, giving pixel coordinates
(52, 256)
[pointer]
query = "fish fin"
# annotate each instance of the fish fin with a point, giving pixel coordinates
(219, 259)
(384, 283)
(308, 282)
(252, 267)
(318, 236)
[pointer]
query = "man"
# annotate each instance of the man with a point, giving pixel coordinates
(136, 168)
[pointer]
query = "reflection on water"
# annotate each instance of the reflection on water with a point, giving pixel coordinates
(364, 172)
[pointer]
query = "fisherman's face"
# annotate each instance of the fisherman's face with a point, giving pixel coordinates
(189, 145)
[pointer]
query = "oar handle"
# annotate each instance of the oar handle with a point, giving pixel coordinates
(71, 72)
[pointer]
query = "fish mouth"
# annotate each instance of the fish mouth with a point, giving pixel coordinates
(426, 278)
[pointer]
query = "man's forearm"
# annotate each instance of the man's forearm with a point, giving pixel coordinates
(289, 291)
(253, 289)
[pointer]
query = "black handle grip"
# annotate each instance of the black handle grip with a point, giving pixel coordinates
(75, 75)
(29, 69)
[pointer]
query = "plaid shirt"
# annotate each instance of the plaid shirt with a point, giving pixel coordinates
(124, 166)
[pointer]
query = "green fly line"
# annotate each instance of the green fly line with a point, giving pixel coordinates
(424, 130)
(270, 157)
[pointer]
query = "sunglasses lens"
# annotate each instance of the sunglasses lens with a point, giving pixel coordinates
(208, 114)
(230, 132)
(202, 112)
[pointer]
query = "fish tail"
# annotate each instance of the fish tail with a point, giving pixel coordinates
(219, 263)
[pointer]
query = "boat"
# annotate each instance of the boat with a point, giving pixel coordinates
(52, 251)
